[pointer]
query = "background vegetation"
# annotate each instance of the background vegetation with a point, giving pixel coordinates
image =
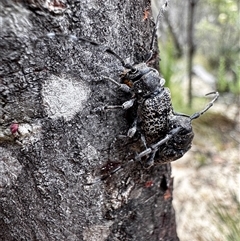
(216, 42)
(215, 66)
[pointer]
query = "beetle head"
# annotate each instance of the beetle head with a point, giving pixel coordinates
(143, 80)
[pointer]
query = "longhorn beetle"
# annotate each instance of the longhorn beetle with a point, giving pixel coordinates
(166, 135)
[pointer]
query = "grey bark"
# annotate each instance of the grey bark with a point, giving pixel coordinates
(53, 143)
(191, 48)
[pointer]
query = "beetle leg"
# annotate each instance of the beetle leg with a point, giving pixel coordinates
(122, 87)
(131, 132)
(148, 151)
(126, 105)
(150, 160)
(153, 148)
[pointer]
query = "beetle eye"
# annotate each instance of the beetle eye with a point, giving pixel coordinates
(133, 71)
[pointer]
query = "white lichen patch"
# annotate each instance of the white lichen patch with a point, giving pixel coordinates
(97, 232)
(25, 129)
(64, 97)
(90, 152)
(28, 133)
(21, 133)
(16, 18)
(10, 168)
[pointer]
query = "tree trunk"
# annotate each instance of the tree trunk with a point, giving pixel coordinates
(191, 48)
(53, 142)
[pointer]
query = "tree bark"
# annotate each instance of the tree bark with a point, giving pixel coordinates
(53, 142)
(191, 48)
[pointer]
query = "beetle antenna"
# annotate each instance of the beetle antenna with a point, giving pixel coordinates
(104, 48)
(209, 105)
(159, 18)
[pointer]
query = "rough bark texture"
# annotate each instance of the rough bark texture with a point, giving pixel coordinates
(53, 143)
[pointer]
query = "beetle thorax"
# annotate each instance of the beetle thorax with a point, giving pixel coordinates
(143, 80)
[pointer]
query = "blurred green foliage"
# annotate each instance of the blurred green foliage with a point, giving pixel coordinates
(227, 218)
(171, 70)
(218, 35)
(217, 42)
(226, 84)
(167, 66)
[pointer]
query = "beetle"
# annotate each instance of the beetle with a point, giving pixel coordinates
(165, 134)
